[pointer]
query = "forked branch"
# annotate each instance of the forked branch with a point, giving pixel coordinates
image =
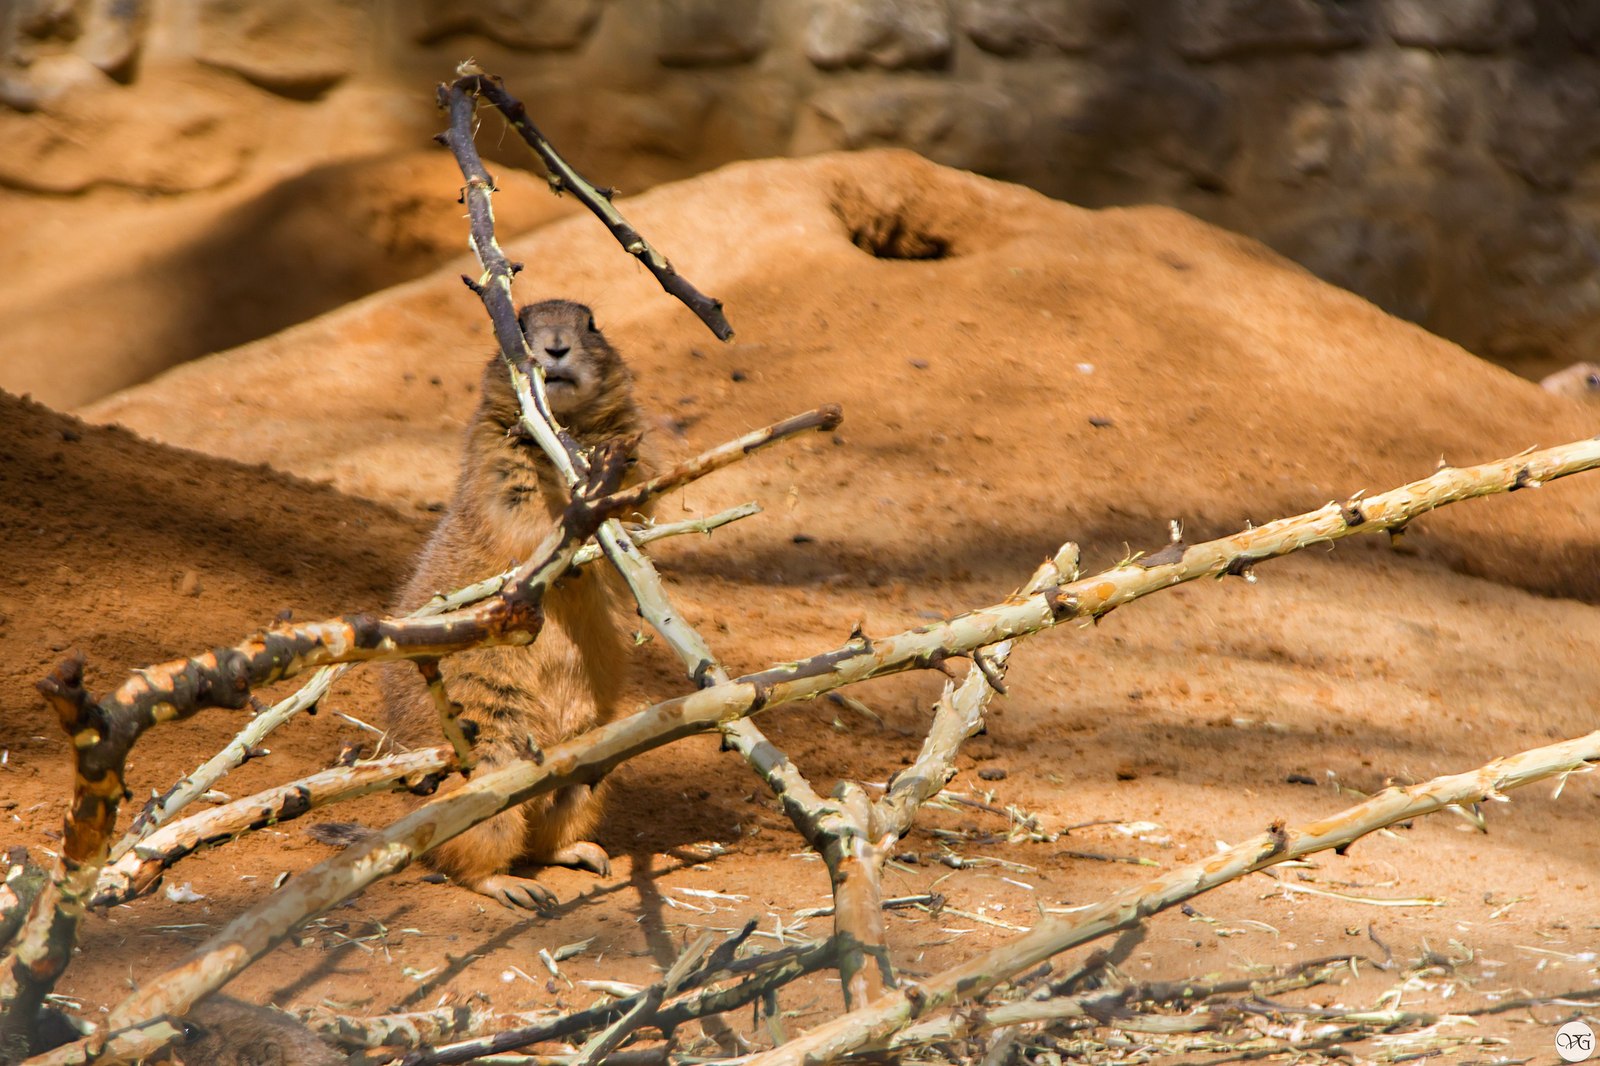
(458, 99)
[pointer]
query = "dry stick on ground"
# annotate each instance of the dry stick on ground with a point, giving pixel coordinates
(1115, 1007)
(874, 1026)
(587, 758)
(413, 1028)
(674, 1000)
(563, 177)
(162, 810)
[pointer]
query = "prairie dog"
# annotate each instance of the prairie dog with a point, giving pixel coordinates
(507, 499)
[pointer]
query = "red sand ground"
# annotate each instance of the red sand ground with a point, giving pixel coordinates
(1236, 387)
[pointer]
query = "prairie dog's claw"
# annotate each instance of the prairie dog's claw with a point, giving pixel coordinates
(522, 892)
(586, 855)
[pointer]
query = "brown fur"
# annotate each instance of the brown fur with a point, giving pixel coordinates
(227, 1032)
(507, 498)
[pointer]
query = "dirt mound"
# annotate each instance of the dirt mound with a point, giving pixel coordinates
(156, 286)
(1069, 372)
(1014, 372)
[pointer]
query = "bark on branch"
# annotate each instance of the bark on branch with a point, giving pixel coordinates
(140, 871)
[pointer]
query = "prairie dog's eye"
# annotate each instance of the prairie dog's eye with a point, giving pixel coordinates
(592, 327)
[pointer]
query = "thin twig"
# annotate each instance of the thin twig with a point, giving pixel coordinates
(676, 999)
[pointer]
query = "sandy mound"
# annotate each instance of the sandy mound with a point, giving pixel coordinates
(977, 333)
(1234, 386)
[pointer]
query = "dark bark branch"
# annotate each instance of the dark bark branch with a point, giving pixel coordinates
(459, 99)
(670, 1003)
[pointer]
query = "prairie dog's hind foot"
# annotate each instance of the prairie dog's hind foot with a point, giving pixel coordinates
(584, 855)
(513, 891)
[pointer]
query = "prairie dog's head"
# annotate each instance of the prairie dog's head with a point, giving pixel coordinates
(581, 369)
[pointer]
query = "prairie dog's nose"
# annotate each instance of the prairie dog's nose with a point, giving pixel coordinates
(552, 340)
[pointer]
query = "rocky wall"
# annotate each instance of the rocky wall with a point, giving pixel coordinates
(1440, 157)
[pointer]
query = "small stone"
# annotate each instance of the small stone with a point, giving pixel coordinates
(1223, 29)
(189, 584)
(892, 34)
(710, 33)
(992, 773)
(1300, 779)
(739, 375)
(1100, 423)
(1127, 772)
(532, 25)
(920, 364)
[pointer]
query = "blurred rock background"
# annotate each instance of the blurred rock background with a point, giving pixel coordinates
(181, 176)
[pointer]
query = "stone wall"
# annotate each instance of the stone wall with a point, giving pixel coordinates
(1441, 157)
